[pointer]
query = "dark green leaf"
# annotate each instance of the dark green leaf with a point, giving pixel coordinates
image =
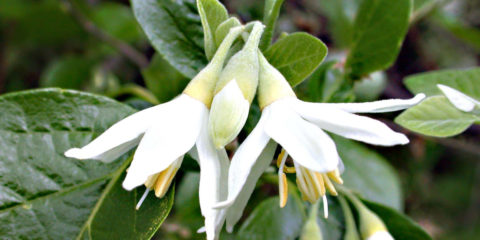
(115, 216)
(296, 56)
(379, 29)
(72, 72)
(436, 116)
(269, 221)
(212, 13)
(466, 81)
(44, 195)
(163, 80)
(399, 225)
(270, 15)
(340, 14)
(369, 174)
(174, 29)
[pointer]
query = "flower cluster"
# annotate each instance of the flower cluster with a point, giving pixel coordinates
(212, 111)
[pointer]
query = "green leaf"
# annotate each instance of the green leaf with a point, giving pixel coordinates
(379, 29)
(296, 56)
(340, 14)
(436, 116)
(44, 195)
(399, 225)
(115, 216)
(369, 173)
(72, 72)
(212, 13)
(270, 15)
(175, 31)
(163, 80)
(269, 221)
(466, 81)
(332, 227)
(117, 20)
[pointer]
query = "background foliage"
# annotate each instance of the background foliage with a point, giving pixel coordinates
(103, 47)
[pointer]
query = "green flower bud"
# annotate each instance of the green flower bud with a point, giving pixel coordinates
(201, 87)
(235, 91)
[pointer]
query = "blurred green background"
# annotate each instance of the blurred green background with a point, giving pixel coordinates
(97, 46)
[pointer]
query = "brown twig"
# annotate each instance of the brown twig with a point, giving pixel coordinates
(131, 53)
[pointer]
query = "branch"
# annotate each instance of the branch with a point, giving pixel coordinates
(131, 53)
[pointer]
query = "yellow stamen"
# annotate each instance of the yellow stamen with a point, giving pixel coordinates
(322, 183)
(164, 180)
(280, 159)
(283, 190)
(329, 185)
(335, 176)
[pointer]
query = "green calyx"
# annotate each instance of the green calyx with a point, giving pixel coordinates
(272, 84)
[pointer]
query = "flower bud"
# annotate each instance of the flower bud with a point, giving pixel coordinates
(371, 226)
(201, 87)
(235, 91)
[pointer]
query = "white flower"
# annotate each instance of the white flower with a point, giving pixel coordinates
(298, 127)
(458, 99)
(380, 235)
(164, 134)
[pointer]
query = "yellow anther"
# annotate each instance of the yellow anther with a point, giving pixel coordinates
(329, 185)
(283, 189)
(151, 181)
(280, 159)
(164, 180)
(322, 183)
(335, 176)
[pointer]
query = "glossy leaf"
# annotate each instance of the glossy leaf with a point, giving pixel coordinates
(115, 216)
(399, 225)
(45, 195)
(270, 15)
(436, 116)
(212, 13)
(296, 56)
(175, 31)
(269, 221)
(379, 29)
(368, 173)
(466, 81)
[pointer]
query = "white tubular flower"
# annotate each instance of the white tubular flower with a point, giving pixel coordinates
(458, 99)
(164, 134)
(299, 128)
(235, 91)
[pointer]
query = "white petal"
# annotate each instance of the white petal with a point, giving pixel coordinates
(122, 136)
(213, 182)
(244, 160)
(459, 99)
(305, 142)
(381, 235)
(235, 211)
(169, 138)
(352, 126)
(228, 114)
(389, 105)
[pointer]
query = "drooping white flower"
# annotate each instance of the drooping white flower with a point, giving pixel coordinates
(458, 99)
(298, 127)
(164, 134)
